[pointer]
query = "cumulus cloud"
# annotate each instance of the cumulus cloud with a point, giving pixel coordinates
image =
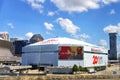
(109, 1)
(68, 26)
(36, 4)
(48, 33)
(112, 11)
(76, 5)
(48, 26)
(84, 36)
(51, 13)
(29, 34)
(10, 25)
(80, 5)
(112, 29)
(103, 43)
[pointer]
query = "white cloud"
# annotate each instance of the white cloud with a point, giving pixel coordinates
(84, 36)
(48, 26)
(103, 43)
(36, 4)
(10, 25)
(76, 5)
(112, 29)
(109, 1)
(80, 5)
(29, 34)
(4, 32)
(51, 13)
(68, 26)
(42, 1)
(48, 33)
(112, 11)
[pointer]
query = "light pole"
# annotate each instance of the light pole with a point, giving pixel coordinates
(39, 58)
(105, 67)
(119, 62)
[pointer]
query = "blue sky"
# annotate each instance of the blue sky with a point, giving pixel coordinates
(88, 20)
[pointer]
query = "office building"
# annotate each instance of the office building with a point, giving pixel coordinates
(4, 35)
(18, 44)
(113, 46)
(36, 38)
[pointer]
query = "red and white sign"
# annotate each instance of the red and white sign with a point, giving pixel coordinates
(49, 41)
(97, 60)
(95, 50)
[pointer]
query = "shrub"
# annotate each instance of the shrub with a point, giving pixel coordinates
(80, 68)
(100, 68)
(103, 67)
(109, 65)
(84, 69)
(75, 68)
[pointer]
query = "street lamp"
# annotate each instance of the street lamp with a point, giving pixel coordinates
(119, 61)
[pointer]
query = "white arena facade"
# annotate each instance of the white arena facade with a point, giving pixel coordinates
(64, 52)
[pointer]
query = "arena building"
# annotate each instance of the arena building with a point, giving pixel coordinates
(64, 52)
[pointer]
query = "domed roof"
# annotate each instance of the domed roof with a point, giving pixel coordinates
(61, 41)
(53, 43)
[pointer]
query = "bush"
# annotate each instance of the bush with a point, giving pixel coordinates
(109, 65)
(84, 69)
(75, 68)
(80, 68)
(100, 68)
(103, 67)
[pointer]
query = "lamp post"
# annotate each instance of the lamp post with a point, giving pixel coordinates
(106, 67)
(119, 62)
(94, 69)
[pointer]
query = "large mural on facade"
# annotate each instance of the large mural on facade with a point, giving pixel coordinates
(71, 52)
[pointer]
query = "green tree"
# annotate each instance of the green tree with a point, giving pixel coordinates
(75, 68)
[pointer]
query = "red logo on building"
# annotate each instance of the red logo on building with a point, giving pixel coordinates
(95, 59)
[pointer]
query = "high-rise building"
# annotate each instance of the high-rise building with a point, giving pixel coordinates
(18, 44)
(36, 38)
(4, 35)
(113, 47)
